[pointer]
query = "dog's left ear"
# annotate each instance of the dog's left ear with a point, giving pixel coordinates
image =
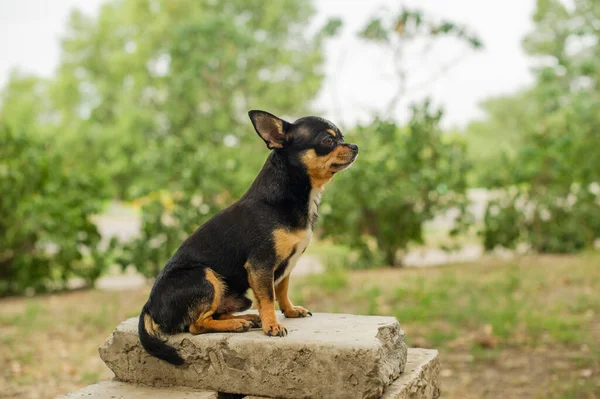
(269, 127)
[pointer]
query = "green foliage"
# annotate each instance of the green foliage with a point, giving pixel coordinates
(403, 178)
(165, 225)
(501, 224)
(410, 24)
(555, 222)
(178, 99)
(496, 139)
(25, 102)
(147, 77)
(153, 95)
(46, 235)
(552, 165)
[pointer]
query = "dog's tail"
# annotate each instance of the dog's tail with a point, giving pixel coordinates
(155, 346)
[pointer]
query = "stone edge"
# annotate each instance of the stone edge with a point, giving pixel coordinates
(92, 390)
(420, 379)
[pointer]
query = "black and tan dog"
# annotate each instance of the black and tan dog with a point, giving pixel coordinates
(255, 243)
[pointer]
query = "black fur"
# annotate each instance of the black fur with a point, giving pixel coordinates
(241, 233)
(155, 346)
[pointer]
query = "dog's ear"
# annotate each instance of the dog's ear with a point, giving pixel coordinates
(269, 127)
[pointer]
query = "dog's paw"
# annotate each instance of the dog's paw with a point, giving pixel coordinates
(275, 330)
(254, 319)
(239, 325)
(296, 311)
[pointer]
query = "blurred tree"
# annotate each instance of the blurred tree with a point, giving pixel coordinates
(154, 94)
(496, 139)
(25, 102)
(554, 172)
(163, 75)
(405, 175)
(403, 178)
(46, 236)
(410, 36)
(174, 86)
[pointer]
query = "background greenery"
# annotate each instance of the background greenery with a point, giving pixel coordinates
(550, 136)
(149, 105)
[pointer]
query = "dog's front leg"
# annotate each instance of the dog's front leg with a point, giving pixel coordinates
(262, 284)
(286, 306)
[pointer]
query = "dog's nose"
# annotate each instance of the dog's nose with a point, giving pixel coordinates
(353, 147)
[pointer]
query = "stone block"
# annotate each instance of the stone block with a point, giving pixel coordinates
(421, 377)
(420, 380)
(324, 356)
(112, 389)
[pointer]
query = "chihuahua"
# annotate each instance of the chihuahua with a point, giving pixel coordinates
(254, 243)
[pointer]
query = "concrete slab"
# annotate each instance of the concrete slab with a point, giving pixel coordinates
(112, 389)
(421, 377)
(324, 356)
(420, 380)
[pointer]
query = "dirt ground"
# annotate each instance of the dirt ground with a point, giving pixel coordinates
(549, 347)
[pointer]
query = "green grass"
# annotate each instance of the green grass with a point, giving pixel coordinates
(532, 305)
(329, 253)
(333, 280)
(49, 343)
(31, 315)
(524, 318)
(509, 298)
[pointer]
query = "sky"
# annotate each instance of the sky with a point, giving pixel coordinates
(359, 80)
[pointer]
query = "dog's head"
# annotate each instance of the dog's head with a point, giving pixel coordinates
(313, 143)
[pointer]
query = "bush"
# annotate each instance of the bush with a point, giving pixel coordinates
(165, 225)
(210, 178)
(554, 203)
(550, 224)
(46, 235)
(402, 178)
(549, 171)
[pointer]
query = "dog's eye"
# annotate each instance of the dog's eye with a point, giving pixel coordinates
(328, 141)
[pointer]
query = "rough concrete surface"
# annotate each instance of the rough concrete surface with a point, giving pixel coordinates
(324, 356)
(421, 377)
(112, 389)
(420, 380)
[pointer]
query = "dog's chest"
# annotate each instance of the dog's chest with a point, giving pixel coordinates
(291, 245)
(314, 200)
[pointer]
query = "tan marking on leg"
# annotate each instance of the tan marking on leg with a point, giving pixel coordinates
(211, 325)
(281, 291)
(285, 304)
(261, 283)
(219, 287)
(252, 318)
(150, 325)
(208, 309)
(205, 321)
